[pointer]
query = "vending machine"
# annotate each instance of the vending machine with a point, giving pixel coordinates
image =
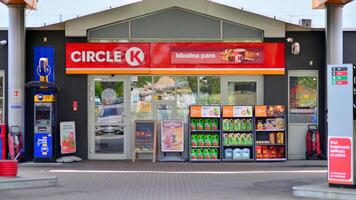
(44, 127)
(341, 124)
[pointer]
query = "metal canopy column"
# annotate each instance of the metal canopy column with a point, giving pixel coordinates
(16, 68)
(334, 36)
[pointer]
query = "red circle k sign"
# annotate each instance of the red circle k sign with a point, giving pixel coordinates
(134, 56)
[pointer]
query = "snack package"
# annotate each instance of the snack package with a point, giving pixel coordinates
(280, 138)
(208, 140)
(207, 124)
(270, 124)
(249, 138)
(243, 124)
(237, 154)
(245, 153)
(249, 125)
(238, 138)
(272, 152)
(258, 151)
(281, 152)
(243, 138)
(265, 153)
(216, 111)
(214, 153)
(231, 138)
(194, 141)
(272, 137)
(226, 125)
(193, 125)
(214, 124)
(193, 155)
(231, 128)
(207, 154)
(225, 139)
(200, 124)
(201, 139)
(260, 125)
(199, 153)
(215, 140)
(228, 153)
(280, 123)
(237, 125)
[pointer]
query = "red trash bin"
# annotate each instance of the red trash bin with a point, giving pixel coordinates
(8, 167)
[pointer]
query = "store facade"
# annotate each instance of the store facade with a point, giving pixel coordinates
(173, 64)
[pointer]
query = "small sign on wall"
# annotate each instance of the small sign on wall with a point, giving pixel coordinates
(75, 105)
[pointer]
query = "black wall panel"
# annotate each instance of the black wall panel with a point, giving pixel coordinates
(4, 63)
(312, 45)
(72, 88)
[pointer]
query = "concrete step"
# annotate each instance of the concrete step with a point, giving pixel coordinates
(27, 181)
(323, 191)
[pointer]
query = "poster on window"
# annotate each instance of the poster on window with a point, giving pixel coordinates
(67, 133)
(303, 97)
(172, 139)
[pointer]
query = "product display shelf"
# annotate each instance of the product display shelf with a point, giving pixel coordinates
(271, 159)
(198, 133)
(240, 131)
(239, 160)
(237, 129)
(206, 131)
(282, 130)
(205, 147)
(238, 145)
(273, 128)
(270, 144)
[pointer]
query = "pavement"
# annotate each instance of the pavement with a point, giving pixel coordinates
(171, 180)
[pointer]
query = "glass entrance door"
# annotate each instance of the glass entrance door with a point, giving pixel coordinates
(109, 119)
(243, 90)
(302, 110)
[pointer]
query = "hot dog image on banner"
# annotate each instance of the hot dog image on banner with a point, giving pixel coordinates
(43, 64)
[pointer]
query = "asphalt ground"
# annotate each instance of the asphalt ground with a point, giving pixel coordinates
(91, 180)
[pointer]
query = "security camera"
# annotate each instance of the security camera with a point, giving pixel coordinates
(289, 40)
(3, 42)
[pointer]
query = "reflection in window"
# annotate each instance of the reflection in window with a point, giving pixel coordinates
(164, 88)
(303, 99)
(141, 96)
(108, 94)
(209, 90)
(187, 93)
(242, 93)
(109, 119)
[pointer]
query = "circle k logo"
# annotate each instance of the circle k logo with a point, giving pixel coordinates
(134, 56)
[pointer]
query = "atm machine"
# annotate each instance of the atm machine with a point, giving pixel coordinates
(44, 127)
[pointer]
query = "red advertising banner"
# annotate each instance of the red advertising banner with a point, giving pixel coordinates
(340, 160)
(175, 58)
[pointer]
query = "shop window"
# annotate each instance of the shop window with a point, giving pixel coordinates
(141, 96)
(164, 88)
(209, 90)
(303, 99)
(187, 94)
(2, 98)
(242, 93)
